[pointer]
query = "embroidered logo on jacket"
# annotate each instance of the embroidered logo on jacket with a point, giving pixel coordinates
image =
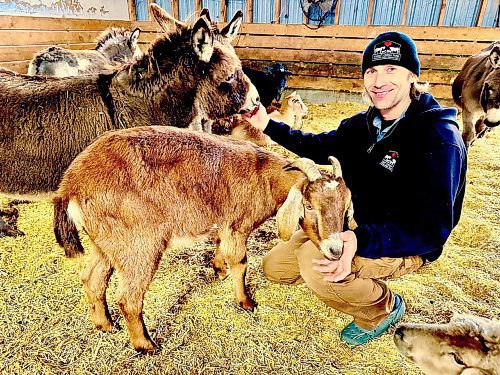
(389, 160)
(387, 51)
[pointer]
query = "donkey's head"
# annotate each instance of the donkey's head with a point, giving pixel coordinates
(194, 66)
(490, 92)
(321, 203)
(119, 44)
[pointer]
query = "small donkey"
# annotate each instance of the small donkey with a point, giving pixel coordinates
(114, 46)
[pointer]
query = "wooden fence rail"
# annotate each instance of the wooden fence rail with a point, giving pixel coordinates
(327, 58)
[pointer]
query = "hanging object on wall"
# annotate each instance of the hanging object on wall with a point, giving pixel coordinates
(317, 11)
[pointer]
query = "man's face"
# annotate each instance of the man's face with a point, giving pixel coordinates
(389, 89)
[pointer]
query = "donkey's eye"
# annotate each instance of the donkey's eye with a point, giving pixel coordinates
(230, 78)
(457, 359)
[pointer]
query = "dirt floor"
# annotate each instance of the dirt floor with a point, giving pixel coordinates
(45, 327)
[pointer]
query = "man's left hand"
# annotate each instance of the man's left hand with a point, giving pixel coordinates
(337, 270)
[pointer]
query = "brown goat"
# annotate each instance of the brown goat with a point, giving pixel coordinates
(191, 185)
(114, 46)
(45, 122)
(466, 345)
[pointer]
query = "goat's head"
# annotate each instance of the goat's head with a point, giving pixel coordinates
(466, 345)
(119, 44)
(490, 92)
(295, 102)
(189, 62)
(321, 204)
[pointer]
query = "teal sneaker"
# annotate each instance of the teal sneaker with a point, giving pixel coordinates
(354, 335)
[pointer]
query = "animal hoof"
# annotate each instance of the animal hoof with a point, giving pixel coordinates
(106, 327)
(220, 273)
(9, 231)
(146, 347)
(248, 304)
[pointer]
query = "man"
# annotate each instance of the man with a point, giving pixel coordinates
(405, 163)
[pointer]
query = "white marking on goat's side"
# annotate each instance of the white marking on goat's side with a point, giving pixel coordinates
(183, 242)
(331, 184)
(493, 115)
(75, 213)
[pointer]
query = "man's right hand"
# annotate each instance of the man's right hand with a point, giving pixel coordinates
(259, 120)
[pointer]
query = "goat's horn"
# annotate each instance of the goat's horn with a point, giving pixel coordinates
(306, 166)
(337, 169)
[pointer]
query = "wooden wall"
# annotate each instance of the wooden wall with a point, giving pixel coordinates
(327, 58)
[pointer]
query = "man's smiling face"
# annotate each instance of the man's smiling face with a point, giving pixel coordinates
(388, 87)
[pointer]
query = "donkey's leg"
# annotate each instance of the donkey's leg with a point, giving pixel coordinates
(233, 249)
(219, 263)
(136, 271)
(95, 278)
(469, 131)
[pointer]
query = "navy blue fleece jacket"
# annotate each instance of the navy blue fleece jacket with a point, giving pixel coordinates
(407, 189)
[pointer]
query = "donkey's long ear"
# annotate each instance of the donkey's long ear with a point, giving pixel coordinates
(206, 13)
(231, 29)
(135, 36)
(203, 40)
(290, 212)
(165, 20)
(495, 56)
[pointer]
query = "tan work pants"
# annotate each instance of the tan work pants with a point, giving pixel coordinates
(361, 294)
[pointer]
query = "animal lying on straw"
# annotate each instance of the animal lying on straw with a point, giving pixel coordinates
(477, 90)
(466, 345)
(45, 122)
(139, 191)
(292, 112)
(114, 46)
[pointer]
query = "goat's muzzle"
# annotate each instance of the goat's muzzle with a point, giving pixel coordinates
(332, 247)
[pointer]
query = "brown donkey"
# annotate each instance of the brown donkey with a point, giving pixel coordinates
(45, 122)
(191, 185)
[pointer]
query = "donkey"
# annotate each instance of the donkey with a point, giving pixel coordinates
(476, 90)
(114, 46)
(45, 121)
(468, 344)
(192, 185)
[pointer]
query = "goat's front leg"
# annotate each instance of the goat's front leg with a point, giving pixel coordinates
(234, 250)
(219, 263)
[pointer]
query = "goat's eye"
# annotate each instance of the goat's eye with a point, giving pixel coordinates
(230, 78)
(457, 359)
(308, 207)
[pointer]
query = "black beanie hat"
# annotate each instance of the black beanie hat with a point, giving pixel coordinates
(391, 48)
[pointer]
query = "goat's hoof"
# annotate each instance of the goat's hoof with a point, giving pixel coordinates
(221, 273)
(146, 347)
(248, 304)
(106, 327)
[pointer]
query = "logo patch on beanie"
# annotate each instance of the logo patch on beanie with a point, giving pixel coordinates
(387, 50)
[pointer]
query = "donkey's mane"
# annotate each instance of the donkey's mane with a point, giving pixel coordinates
(118, 33)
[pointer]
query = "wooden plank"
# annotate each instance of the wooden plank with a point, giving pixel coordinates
(45, 23)
(131, 10)
(17, 66)
(482, 11)
(249, 11)
(369, 14)
(353, 45)
(405, 12)
(26, 52)
(336, 17)
(277, 12)
(441, 12)
(223, 11)
(350, 85)
(41, 37)
(486, 34)
(175, 9)
(340, 58)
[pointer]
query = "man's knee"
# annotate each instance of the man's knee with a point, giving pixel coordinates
(280, 269)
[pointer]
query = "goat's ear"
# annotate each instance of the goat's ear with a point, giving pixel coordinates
(495, 56)
(290, 212)
(135, 36)
(351, 223)
(231, 29)
(203, 40)
(167, 23)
